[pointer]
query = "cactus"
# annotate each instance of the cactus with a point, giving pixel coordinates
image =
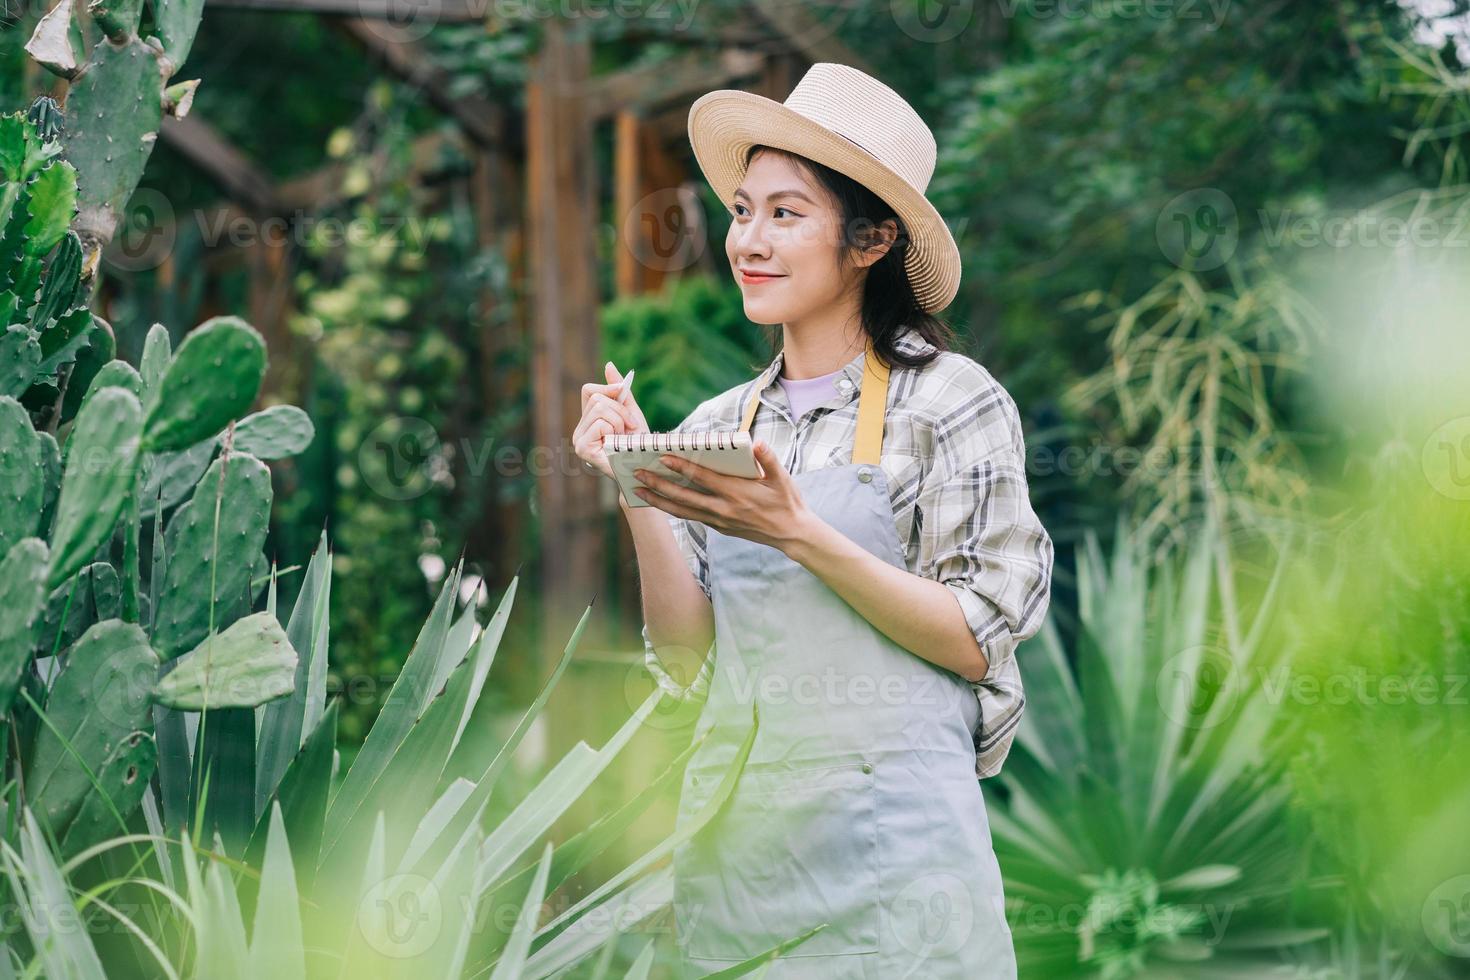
(116, 101)
(102, 461)
(62, 290)
(74, 606)
(123, 779)
(97, 700)
(22, 597)
(278, 431)
(22, 479)
(170, 477)
(238, 489)
(20, 356)
(157, 353)
(249, 663)
(116, 374)
(213, 379)
(51, 467)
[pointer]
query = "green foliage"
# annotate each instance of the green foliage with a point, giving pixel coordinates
(1146, 825)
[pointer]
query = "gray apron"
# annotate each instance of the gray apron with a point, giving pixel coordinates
(858, 806)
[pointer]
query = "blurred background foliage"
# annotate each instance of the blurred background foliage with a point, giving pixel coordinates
(1128, 193)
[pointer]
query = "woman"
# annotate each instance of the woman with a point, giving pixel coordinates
(867, 591)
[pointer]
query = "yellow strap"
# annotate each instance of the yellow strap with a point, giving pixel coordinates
(872, 401)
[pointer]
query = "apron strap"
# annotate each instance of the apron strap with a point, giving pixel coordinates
(872, 400)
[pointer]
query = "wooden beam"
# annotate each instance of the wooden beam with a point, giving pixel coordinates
(815, 36)
(398, 50)
(679, 79)
(323, 187)
(231, 168)
(397, 11)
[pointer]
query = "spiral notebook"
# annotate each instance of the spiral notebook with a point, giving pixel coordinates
(726, 452)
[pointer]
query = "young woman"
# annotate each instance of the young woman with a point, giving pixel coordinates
(864, 596)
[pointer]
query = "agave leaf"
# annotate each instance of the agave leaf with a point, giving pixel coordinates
(512, 960)
(407, 701)
(277, 946)
(286, 723)
(642, 899)
(58, 934)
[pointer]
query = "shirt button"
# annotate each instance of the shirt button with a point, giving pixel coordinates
(865, 475)
(844, 384)
(867, 767)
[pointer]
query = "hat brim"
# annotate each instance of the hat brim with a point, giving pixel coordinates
(725, 124)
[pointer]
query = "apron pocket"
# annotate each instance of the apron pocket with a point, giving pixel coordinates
(792, 849)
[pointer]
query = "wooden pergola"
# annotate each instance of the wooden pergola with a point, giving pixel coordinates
(541, 228)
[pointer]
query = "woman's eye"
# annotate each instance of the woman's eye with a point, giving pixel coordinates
(739, 210)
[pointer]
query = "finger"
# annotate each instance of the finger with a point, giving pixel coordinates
(679, 509)
(592, 388)
(612, 404)
(592, 437)
(684, 495)
(765, 458)
(605, 410)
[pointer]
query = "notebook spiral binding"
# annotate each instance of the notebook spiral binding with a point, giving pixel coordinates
(666, 441)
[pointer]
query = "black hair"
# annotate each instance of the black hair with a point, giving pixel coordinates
(889, 305)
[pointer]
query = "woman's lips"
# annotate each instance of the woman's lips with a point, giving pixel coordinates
(751, 280)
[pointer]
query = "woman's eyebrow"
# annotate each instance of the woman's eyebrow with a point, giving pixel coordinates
(775, 194)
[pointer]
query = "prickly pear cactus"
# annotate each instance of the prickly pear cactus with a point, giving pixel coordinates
(98, 700)
(211, 542)
(46, 329)
(115, 102)
(212, 381)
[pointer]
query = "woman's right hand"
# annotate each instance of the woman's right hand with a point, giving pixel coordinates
(607, 409)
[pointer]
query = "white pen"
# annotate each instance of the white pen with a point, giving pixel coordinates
(627, 383)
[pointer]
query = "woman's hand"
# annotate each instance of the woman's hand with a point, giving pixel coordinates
(767, 509)
(607, 409)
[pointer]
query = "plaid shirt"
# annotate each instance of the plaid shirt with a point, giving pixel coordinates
(954, 457)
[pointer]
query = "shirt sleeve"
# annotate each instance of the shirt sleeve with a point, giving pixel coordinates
(979, 535)
(690, 537)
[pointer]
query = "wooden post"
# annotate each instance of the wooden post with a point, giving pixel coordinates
(561, 225)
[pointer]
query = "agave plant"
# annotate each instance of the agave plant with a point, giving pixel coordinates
(1145, 831)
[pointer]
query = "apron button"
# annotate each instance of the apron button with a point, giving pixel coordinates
(865, 475)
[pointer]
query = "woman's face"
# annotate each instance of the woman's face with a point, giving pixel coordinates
(785, 225)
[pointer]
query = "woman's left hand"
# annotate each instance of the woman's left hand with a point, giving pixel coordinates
(767, 509)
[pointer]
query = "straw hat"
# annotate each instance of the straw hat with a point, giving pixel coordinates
(849, 121)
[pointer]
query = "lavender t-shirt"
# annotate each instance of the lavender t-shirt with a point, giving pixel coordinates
(807, 392)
